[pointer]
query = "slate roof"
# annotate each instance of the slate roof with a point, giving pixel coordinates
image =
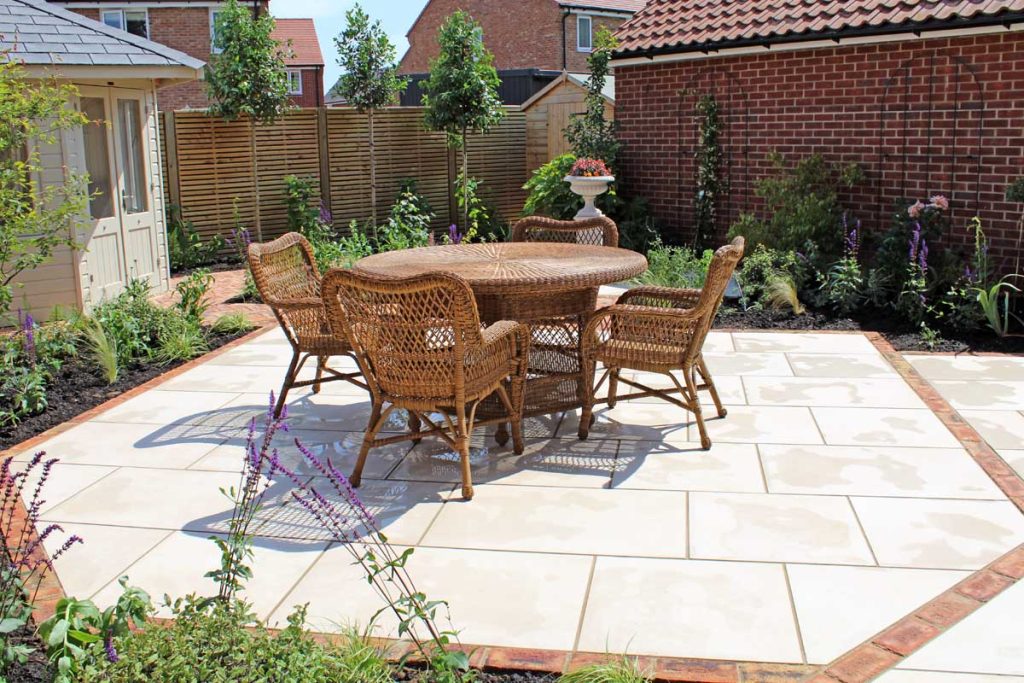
(687, 25)
(606, 5)
(305, 46)
(39, 33)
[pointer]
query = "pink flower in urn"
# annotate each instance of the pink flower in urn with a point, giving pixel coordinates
(940, 202)
(915, 209)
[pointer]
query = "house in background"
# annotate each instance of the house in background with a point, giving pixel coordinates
(306, 65)
(549, 112)
(123, 236)
(533, 43)
(187, 26)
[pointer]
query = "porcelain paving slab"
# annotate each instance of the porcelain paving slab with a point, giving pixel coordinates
(803, 342)
(713, 610)
(748, 364)
(524, 600)
(581, 521)
(970, 368)
(1002, 429)
(939, 534)
(761, 527)
(660, 421)
(876, 471)
(979, 395)
(719, 342)
(814, 391)
(726, 467)
(867, 598)
(64, 481)
(883, 427)
(1014, 459)
(254, 379)
(846, 366)
(730, 388)
(158, 407)
(989, 641)
(760, 424)
(905, 676)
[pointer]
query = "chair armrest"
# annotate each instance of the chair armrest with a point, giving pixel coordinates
(667, 325)
(661, 296)
(294, 305)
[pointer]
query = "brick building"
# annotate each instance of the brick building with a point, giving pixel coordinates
(927, 96)
(532, 43)
(184, 25)
(306, 63)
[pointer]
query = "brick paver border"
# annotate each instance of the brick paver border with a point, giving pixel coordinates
(863, 663)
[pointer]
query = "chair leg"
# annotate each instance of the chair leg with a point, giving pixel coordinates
(694, 399)
(321, 361)
(613, 385)
(587, 411)
(515, 419)
(289, 379)
(706, 376)
(415, 425)
(376, 421)
(462, 433)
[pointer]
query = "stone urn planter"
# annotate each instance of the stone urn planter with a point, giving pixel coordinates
(590, 188)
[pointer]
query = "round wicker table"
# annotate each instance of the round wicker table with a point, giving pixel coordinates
(550, 286)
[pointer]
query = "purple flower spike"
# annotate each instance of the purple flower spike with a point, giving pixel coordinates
(111, 651)
(454, 236)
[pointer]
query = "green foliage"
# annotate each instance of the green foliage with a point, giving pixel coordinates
(232, 323)
(843, 286)
(103, 349)
(302, 202)
(708, 181)
(181, 340)
(480, 218)
(676, 267)
(409, 222)
(998, 317)
(22, 393)
(780, 294)
(352, 247)
(192, 291)
(246, 75)
(624, 670)
(366, 55)
(802, 206)
(35, 219)
(1015, 191)
(590, 135)
(547, 192)
(187, 248)
(763, 265)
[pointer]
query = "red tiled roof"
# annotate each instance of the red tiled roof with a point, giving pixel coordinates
(305, 45)
(607, 5)
(670, 25)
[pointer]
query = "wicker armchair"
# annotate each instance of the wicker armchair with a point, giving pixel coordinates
(420, 346)
(600, 231)
(287, 278)
(659, 329)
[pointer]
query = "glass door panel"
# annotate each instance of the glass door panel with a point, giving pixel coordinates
(97, 157)
(132, 161)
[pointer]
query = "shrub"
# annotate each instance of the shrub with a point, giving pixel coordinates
(763, 265)
(187, 249)
(547, 192)
(303, 204)
(843, 284)
(232, 323)
(676, 267)
(192, 292)
(408, 224)
(591, 135)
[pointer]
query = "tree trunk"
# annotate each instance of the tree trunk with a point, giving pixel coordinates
(255, 179)
(373, 172)
(465, 183)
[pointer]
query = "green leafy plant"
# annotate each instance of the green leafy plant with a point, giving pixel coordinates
(246, 74)
(183, 338)
(103, 348)
(623, 670)
(708, 181)
(369, 80)
(479, 217)
(353, 246)
(192, 295)
(676, 267)
(591, 135)
(998, 316)
(929, 337)
(1015, 193)
(303, 204)
(232, 323)
(409, 222)
(547, 192)
(843, 283)
(763, 265)
(22, 393)
(187, 249)
(461, 93)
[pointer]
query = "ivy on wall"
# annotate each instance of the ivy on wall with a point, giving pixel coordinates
(708, 181)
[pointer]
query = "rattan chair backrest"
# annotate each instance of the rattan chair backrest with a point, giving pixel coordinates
(284, 269)
(600, 231)
(722, 267)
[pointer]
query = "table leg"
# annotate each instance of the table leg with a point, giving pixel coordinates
(501, 435)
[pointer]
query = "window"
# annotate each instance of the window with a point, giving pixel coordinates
(584, 34)
(97, 158)
(294, 82)
(134, 21)
(129, 120)
(214, 15)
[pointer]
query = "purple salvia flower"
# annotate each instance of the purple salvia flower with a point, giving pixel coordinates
(326, 217)
(923, 256)
(454, 236)
(915, 241)
(29, 329)
(111, 651)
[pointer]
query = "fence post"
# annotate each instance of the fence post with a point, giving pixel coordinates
(323, 144)
(173, 179)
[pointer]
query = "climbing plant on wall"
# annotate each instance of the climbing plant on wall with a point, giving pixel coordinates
(708, 180)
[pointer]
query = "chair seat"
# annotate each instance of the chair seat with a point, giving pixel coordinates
(632, 354)
(324, 344)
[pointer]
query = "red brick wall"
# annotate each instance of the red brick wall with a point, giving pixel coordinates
(528, 37)
(921, 117)
(312, 89)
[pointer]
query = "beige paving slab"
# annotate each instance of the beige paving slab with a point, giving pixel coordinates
(838, 608)
(939, 534)
(883, 427)
(1014, 459)
(579, 521)
(277, 566)
(989, 641)
(760, 424)
(544, 462)
(876, 471)
(759, 527)
(764, 527)
(1002, 429)
(660, 421)
(105, 554)
(726, 467)
(119, 444)
(982, 395)
(747, 363)
(63, 481)
(255, 379)
(524, 600)
(730, 388)
(814, 391)
(159, 407)
(713, 610)
(337, 413)
(905, 676)
(850, 365)
(719, 342)
(802, 343)
(966, 367)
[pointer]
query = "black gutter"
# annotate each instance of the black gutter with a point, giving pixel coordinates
(871, 31)
(565, 37)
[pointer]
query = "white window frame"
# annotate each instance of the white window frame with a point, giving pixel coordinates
(124, 20)
(214, 11)
(580, 18)
(297, 73)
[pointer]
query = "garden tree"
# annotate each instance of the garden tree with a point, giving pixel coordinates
(35, 219)
(369, 79)
(590, 135)
(461, 94)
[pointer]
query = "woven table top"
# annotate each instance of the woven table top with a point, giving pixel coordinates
(513, 267)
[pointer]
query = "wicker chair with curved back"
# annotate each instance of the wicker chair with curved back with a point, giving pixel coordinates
(661, 330)
(421, 348)
(287, 278)
(600, 231)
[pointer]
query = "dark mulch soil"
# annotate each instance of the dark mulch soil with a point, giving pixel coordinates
(902, 337)
(36, 669)
(78, 387)
(217, 267)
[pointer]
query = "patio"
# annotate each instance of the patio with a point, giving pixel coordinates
(833, 503)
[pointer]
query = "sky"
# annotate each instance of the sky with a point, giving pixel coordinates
(329, 16)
